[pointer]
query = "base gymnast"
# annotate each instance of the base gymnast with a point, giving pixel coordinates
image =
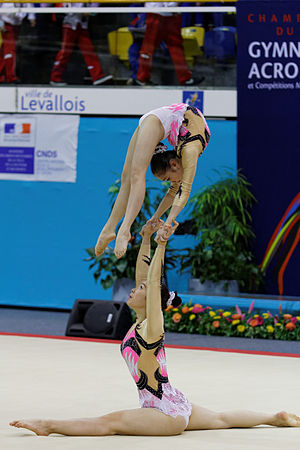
(164, 411)
(187, 131)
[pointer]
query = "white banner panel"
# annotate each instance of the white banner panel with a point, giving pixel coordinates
(93, 100)
(38, 147)
(114, 101)
(120, 101)
(7, 99)
(220, 103)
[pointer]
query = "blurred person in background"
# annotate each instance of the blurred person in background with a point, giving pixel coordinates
(137, 27)
(9, 27)
(75, 30)
(165, 26)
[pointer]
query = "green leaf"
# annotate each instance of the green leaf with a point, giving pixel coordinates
(121, 265)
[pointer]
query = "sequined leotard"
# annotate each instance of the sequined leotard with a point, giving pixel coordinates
(147, 365)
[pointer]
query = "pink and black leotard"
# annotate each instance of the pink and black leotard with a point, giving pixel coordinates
(147, 365)
(187, 130)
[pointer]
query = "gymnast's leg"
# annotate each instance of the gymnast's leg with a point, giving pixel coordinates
(150, 133)
(136, 422)
(108, 232)
(204, 419)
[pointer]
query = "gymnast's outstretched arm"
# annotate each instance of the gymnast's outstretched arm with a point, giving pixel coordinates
(189, 161)
(181, 195)
(167, 201)
(143, 259)
(178, 194)
(154, 315)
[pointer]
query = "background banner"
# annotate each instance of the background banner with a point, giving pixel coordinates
(269, 132)
(38, 147)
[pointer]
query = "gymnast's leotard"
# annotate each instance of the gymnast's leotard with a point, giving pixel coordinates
(172, 118)
(147, 365)
(187, 130)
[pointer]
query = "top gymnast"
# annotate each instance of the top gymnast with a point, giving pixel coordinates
(164, 411)
(187, 130)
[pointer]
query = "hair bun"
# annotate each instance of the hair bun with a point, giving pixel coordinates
(176, 300)
(160, 148)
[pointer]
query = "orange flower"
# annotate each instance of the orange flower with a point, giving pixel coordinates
(290, 326)
(185, 310)
(287, 316)
(216, 323)
(176, 317)
(197, 305)
(253, 323)
(168, 308)
(236, 316)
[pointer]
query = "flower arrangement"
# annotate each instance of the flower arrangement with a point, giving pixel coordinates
(197, 319)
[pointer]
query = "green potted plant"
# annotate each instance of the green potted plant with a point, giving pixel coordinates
(120, 273)
(221, 222)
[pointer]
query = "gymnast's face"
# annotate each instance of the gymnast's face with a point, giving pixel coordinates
(137, 297)
(173, 174)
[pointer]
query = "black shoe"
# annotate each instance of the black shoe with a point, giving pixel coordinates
(194, 81)
(13, 82)
(136, 82)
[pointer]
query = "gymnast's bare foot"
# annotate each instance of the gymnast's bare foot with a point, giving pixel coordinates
(284, 419)
(103, 240)
(39, 427)
(121, 243)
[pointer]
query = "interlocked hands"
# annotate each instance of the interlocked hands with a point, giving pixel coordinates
(163, 231)
(151, 227)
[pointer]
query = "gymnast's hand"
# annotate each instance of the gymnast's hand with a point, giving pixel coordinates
(165, 232)
(150, 227)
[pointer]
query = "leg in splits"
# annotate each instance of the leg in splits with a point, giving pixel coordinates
(132, 192)
(205, 419)
(136, 422)
(151, 422)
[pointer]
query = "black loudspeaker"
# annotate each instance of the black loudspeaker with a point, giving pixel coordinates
(99, 319)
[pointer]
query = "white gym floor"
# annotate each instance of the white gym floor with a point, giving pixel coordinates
(63, 378)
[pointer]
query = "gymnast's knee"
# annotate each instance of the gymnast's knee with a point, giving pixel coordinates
(119, 423)
(137, 175)
(125, 179)
(111, 423)
(222, 420)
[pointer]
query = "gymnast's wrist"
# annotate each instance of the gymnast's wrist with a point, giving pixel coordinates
(161, 243)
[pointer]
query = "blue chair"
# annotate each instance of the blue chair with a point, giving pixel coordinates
(220, 43)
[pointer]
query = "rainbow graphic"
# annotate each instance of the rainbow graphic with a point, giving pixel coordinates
(283, 241)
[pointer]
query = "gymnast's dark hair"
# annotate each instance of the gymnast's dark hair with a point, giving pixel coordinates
(165, 294)
(160, 161)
